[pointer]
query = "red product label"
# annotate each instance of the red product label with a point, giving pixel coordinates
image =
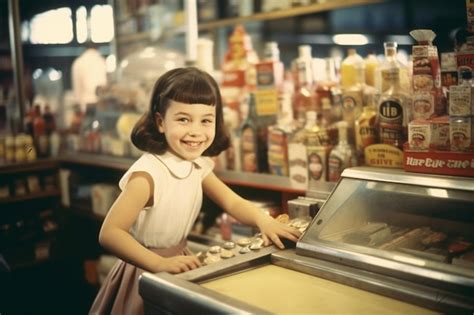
(465, 59)
(445, 163)
(233, 78)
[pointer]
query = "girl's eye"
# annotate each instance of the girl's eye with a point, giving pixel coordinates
(207, 121)
(183, 119)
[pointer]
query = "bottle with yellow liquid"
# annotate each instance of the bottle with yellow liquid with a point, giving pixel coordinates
(348, 68)
(371, 64)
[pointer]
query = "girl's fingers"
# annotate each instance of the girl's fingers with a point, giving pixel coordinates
(276, 240)
(266, 240)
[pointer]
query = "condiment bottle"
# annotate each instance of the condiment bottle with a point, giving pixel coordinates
(342, 155)
(393, 111)
(348, 68)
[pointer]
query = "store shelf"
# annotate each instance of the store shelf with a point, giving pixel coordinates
(39, 195)
(292, 12)
(251, 180)
(265, 16)
(38, 165)
(259, 181)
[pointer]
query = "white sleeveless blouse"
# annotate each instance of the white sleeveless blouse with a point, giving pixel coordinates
(177, 197)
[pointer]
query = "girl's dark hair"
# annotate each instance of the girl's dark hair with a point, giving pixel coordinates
(186, 85)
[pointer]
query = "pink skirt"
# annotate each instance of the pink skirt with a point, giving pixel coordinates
(119, 292)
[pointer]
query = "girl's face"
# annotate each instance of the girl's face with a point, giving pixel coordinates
(189, 129)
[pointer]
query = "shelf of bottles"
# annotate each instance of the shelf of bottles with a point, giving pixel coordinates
(152, 20)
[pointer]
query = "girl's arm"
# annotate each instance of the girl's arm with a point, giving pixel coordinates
(114, 235)
(246, 213)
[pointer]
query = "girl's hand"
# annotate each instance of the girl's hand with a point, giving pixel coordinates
(178, 264)
(272, 230)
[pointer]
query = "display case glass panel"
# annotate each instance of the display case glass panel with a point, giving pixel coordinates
(405, 225)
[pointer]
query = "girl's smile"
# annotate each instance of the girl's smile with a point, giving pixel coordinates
(189, 128)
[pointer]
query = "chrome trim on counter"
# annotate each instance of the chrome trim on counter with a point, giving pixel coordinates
(166, 293)
(401, 177)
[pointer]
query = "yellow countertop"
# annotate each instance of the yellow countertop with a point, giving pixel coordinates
(285, 291)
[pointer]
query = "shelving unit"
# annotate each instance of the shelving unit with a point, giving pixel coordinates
(264, 16)
(278, 185)
(26, 217)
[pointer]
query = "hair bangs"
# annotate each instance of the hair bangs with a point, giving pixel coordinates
(193, 90)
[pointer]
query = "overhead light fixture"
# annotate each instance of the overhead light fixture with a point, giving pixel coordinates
(350, 39)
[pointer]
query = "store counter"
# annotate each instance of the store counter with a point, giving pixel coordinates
(384, 242)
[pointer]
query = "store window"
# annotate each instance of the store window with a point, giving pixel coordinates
(102, 23)
(56, 26)
(81, 25)
(52, 27)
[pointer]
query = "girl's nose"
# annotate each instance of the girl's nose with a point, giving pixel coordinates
(194, 130)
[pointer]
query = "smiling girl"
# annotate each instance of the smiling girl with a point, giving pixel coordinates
(162, 192)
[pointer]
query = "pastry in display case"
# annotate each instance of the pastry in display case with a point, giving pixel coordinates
(385, 241)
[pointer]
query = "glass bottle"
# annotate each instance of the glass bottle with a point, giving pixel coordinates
(391, 61)
(393, 111)
(352, 96)
(298, 156)
(365, 130)
(342, 155)
(49, 120)
(278, 138)
(371, 64)
(348, 68)
(253, 139)
(304, 97)
(317, 147)
(316, 135)
(325, 81)
(39, 133)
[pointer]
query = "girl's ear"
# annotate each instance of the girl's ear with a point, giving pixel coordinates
(159, 122)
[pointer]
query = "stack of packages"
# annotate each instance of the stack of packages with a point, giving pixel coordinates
(440, 138)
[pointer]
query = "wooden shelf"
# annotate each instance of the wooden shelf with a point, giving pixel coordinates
(38, 165)
(259, 181)
(265, 16)
(38, 195)
(251, 180)
(292, 12)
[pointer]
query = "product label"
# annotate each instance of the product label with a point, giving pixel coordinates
(365, 132)
(440, 134)
(383, 155)
(447, 163)
(233, 78)
(423, 105)
(335, 168)
(248, 149)
(460, 98)
(426, 69)
(277, 152)
(266, 102)
(317, 159)
(391, 122)
(298, 164)
(419, 135)
(460, 135)
(351, 104)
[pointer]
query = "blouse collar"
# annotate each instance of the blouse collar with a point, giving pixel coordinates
(178, 167)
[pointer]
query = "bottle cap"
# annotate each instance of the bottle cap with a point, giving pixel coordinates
(304, 51)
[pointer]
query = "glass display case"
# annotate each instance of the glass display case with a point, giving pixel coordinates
(384, 241)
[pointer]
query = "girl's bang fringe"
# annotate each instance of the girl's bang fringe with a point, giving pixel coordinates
(196, 92)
